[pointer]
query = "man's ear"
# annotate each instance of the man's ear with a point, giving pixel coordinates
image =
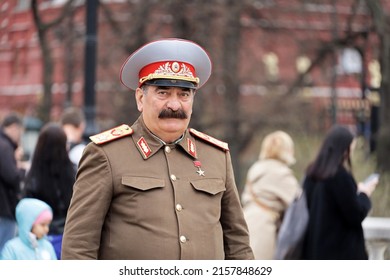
(139, 95)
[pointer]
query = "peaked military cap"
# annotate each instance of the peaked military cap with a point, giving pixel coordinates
(167, 62)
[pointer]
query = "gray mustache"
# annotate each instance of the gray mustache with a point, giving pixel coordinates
(169, 114)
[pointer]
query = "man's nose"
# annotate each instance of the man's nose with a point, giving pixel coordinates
(173, 103)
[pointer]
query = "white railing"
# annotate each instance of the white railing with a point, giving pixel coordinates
(377, 235)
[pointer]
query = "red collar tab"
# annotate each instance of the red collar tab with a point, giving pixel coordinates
(144, 147)
(191, 147)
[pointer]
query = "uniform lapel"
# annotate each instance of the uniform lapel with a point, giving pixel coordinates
(188, 144)
(144, 140)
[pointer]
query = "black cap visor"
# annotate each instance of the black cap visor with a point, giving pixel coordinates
(170, 83)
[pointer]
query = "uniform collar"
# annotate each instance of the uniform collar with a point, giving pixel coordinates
(188, 144)
(148, 144)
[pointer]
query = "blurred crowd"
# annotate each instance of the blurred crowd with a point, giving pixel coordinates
(35, 193)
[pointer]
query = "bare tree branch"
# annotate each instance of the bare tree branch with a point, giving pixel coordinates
(47, 60)
(47, 25)
(322, 53)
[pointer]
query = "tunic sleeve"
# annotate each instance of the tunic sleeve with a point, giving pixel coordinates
(235, 231)
(90, 202)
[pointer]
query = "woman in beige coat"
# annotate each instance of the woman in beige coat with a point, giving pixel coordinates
(270, 187)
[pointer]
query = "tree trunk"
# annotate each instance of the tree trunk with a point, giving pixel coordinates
(47, 66)
(47, 60)
(382, 25)
(46, 103)
(231, 81)
(384, 128)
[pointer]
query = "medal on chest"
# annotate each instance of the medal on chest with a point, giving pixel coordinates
(198, 165)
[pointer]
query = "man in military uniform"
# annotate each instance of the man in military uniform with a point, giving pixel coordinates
(157, 190)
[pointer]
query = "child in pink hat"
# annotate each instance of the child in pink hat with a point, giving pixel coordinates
(33, 217)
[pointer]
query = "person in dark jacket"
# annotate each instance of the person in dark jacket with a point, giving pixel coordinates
(73, 123)
(11, 175)
(51, 178)
(337, 204)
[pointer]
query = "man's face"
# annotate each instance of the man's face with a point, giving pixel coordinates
(14, 131)
(166, 110)
(74, 134)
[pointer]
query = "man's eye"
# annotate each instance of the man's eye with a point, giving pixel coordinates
(185, 94)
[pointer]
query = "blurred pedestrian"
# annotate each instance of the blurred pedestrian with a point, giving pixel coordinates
(51, 178)
(73, 122)
(270, 188)
(337, 204)
(33, 217)
(157, 189)
(12, 171)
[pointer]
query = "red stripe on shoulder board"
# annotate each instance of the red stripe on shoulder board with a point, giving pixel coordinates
(112, 134)
(210, 139)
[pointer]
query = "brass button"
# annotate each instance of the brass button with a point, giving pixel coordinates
(179, 207)
(183, 239)
(167, 149)
(173, 177)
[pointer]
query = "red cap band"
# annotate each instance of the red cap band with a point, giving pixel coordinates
(168, 70)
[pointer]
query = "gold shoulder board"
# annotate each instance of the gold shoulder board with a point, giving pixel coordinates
(111, 134)
(210, 139)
